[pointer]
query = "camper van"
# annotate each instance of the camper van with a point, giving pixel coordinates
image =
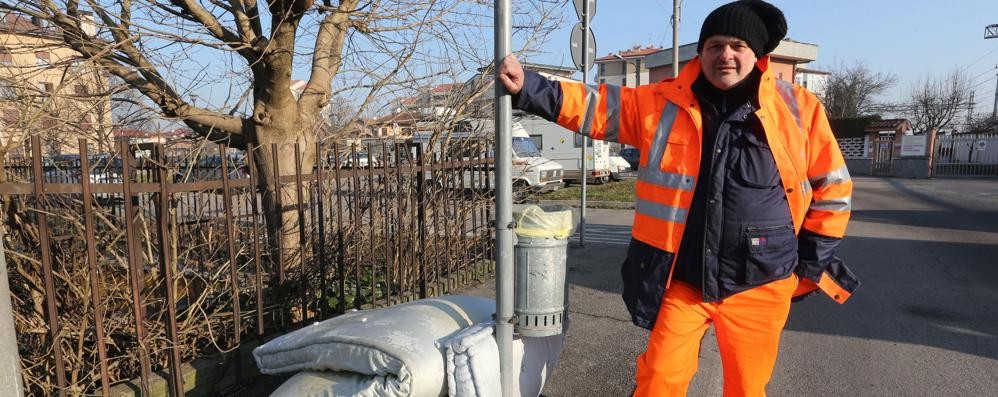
(565, 147)
(531, 172)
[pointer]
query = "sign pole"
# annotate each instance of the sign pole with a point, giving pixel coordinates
(10, 364)
(504, 226)
(585, 139)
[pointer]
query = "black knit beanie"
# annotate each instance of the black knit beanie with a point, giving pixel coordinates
(759, 23)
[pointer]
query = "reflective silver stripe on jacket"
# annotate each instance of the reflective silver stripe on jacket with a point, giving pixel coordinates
(836, 177)
(651, 173)
(660, 211)
(834, 204)
(592, 100)
(786, 91)
(612, 113)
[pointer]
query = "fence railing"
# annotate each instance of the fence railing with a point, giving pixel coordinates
(966, 155)
(127, 264)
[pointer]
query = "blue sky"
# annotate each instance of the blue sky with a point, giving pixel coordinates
(911, 39)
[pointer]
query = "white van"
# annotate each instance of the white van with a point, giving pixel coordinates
(531, 172)
(565, 147)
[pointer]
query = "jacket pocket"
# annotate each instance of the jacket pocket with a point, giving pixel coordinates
(772, 253)
(677, 152)
(756, 165)
(644, 273)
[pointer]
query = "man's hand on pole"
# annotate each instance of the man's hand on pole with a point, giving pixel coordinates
(510, 74)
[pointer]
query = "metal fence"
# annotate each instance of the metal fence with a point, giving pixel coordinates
(131, 263)
(966, 155)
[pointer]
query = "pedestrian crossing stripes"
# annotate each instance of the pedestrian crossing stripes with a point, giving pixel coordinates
(605, 234)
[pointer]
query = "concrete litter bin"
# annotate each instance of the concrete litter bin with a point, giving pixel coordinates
(541, 299)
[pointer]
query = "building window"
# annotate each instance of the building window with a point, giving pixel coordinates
(45, 87)
(7, 90)
(5, 57)
(10, 115)
(578, 141)
(87, 122)
(80, 89)
(41, 57)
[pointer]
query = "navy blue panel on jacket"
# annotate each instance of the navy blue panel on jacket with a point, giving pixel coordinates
(644, 273)
(739, 231)
(539, 96)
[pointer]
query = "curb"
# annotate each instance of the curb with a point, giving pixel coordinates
(591, 204)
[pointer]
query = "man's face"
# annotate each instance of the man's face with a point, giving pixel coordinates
(726, 61)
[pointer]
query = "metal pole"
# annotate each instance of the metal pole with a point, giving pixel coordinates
(585, 139)
(504, 208)
(994, 111)
(10, 365)
(970, 109)
(675, 38)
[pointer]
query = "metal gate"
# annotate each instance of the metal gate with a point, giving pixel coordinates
(966, 155)
(883, 156)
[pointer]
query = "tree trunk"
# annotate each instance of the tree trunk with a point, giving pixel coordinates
(276, 154)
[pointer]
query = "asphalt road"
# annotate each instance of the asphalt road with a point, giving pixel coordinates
(924, 322)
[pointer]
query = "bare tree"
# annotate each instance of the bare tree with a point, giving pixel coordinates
(180, 52)
(851, 90)
(984, 124)
(936, 102)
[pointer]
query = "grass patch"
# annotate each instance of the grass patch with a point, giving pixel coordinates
(613, 191)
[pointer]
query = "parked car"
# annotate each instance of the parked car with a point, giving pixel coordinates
(105, 169)
(618, 166)
(633, 157)
(63, 168)
(363, 160)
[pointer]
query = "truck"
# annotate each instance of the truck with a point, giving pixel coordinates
(531, 172)
(565, 147)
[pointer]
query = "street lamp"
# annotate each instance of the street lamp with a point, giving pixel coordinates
(637, 68)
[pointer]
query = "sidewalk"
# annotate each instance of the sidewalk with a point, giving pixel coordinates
(598, 358)
(602, 344)
(922, 324)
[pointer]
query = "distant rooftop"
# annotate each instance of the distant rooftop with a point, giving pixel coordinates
(812, 71)
(886, 125)
(633, 52)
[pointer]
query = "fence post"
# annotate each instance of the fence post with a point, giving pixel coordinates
(10, 365)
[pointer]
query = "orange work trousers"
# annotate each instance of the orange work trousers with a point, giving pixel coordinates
(748, 326)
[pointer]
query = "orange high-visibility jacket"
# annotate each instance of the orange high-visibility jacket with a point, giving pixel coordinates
(664, 121)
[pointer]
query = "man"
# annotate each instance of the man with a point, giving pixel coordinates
(742, 197)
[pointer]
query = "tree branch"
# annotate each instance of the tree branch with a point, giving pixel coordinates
(327, 59)
(212, 25)
(243, 21)
(142, 75)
